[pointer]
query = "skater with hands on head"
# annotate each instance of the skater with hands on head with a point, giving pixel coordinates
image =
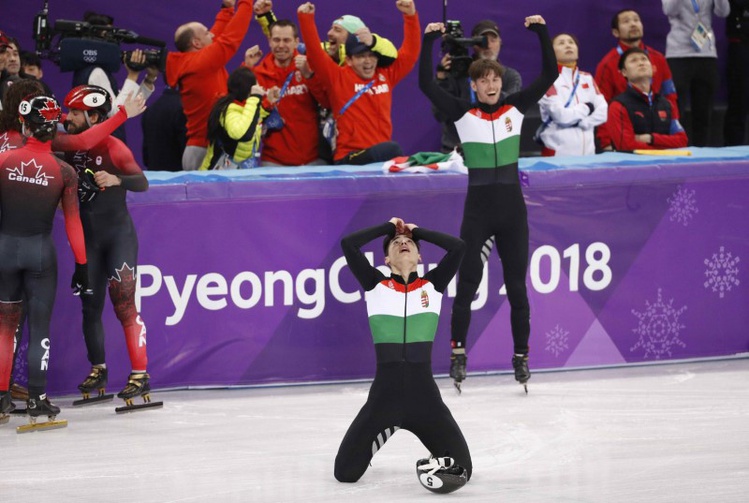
(403, 310)
(489, 129)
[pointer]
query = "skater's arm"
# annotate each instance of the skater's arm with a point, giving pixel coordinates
(529, 96)
(451, 107)
(441, 275)
(367, 275)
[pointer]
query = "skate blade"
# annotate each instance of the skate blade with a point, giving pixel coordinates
(457, 387)
(48, 425)
(4, 418)
(142, 406)
(90, 401)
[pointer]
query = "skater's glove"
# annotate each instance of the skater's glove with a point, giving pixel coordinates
(79, 283)
(87, 188)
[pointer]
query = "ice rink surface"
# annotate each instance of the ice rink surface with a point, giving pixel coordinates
(658, 433)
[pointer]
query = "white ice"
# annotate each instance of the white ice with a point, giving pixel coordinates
(658, 433)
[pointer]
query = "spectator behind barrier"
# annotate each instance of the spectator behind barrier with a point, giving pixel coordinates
(164, 132)
(455, 80)
(360, 94)
(693, 58)
(572, 107)
(198, 70)
(99, 76)
(335, 46)
(640, 118)
(235, 123)
(294, 139)
(627, 27)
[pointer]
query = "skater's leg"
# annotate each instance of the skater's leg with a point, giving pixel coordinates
(430, 420)
(40, 286)
(121, 271)
(93, 305)
(373, 426)
(10, 315)
(512, 246)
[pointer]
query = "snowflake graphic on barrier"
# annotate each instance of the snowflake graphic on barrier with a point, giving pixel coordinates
(722, 272)
(556, 340)
(658, 328)
(683, 206)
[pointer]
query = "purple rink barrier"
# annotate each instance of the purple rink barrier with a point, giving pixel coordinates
(242, 280)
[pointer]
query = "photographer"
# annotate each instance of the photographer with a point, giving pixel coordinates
(94, 75)
(452, 73)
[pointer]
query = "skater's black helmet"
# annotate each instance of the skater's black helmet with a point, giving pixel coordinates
(441, 475)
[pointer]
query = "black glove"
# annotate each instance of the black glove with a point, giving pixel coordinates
(591, 108)
(79, 283)
(87, 188)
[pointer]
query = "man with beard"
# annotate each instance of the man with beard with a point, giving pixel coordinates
(108, 171)
(293, 141)
(627, 27)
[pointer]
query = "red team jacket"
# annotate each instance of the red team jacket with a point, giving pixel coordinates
(367, 121)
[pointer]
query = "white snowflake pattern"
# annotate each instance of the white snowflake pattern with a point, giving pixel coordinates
(658, 328)
(722, 272)
(683, 206)
(556, 340)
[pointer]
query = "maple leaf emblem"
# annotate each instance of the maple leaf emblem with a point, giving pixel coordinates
(51, 110)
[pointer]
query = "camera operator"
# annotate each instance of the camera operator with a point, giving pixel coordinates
(94, 75)
(454, 79)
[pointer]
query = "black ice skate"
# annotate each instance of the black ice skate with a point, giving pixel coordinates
(522, 373)
(6, 407)
(137, 385)
(41, 406)
(96, 380)
(458, 362)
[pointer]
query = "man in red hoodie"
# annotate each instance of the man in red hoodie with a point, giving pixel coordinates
(199, 70)
(361, 93)
(296, 142)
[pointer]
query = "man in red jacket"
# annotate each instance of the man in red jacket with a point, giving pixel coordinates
(296, 142)
(361, 93)
(640, 118)
(198, 70)
(627, 27)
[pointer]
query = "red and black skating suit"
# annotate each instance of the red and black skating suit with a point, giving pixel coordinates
(112, 248)
(32, 183)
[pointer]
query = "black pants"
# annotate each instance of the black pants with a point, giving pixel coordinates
(403, 396)
(377, 153)
(112, 251)
(737, 112)
(494, 210)
(696, 78)
(28, 272)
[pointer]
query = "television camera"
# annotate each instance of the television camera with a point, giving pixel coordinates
(456, 45)
(73, 45)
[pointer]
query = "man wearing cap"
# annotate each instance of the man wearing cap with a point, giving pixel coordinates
(459, 85)
(335, 45)
(360, 93)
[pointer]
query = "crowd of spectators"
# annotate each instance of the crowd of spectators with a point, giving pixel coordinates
(333, 97)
